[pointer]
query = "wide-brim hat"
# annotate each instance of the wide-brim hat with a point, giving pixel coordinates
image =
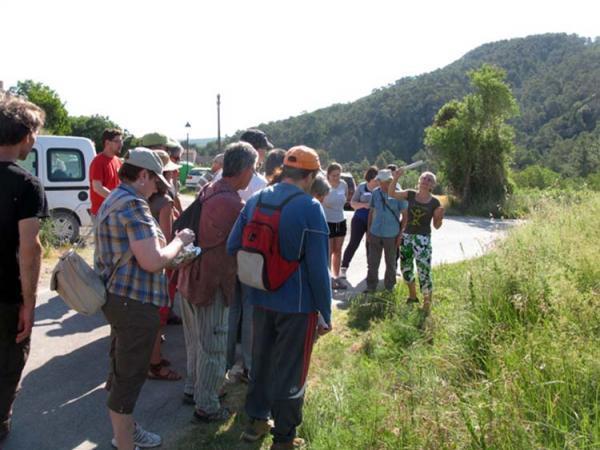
(149, 160)
(168, 164)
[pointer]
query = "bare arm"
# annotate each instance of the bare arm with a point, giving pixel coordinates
(152, 258)
(392, 192)
(177, 203)
(99, 188)
(30, 260)
(359, 205)
(165, 220)
(438, 217)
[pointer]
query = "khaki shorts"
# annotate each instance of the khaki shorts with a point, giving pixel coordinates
(134, 326)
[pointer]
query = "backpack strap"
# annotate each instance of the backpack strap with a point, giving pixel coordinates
(125, 257)
(279, 207)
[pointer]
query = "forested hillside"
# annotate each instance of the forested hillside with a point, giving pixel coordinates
(554, 77)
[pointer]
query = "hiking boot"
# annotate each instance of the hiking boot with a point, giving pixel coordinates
(221, 415)
(256, 429)
(296, 443)
(142, 438)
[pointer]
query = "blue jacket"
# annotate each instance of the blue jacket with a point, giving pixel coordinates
(303, 232)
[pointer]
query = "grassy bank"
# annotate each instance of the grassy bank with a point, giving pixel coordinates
(509, 360)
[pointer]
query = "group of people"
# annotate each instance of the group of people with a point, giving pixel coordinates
(135, 202)
(397, 224)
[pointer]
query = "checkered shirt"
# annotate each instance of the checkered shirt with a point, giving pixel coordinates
(130, 222)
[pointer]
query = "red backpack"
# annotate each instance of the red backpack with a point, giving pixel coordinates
(260, 263)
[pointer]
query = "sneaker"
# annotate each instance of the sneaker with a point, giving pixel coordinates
(221, 415)
(256, 429)
(296, 443)
(142, 438)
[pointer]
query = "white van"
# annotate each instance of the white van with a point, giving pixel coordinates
(62, 163)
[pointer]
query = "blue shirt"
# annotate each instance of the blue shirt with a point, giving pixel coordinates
(362, 195)
(385, 222)
(303, 234)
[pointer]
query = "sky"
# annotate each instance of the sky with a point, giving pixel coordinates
(157, 65)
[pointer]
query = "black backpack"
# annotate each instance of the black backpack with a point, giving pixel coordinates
(190, 217)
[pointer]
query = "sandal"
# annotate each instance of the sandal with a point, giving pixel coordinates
(156, 373)
(165, 362)
(219, 416)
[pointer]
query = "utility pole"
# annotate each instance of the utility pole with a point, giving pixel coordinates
(219, 121)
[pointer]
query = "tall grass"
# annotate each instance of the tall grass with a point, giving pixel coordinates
(510, 359)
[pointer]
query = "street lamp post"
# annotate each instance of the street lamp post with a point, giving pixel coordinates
(219, 122)
(187, 141)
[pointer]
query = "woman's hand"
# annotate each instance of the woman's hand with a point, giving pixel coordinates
(186, 236)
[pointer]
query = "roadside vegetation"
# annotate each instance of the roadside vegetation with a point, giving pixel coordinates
(509, 359)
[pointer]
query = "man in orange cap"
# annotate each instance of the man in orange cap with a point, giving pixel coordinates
(285, 320)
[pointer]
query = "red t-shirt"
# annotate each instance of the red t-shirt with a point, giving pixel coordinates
(106, 170)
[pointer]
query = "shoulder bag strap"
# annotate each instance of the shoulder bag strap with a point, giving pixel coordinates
(125, 257)
(390, 209)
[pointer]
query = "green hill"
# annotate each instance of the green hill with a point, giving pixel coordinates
(555, 78)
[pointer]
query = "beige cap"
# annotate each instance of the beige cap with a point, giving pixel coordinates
(147, 159)
(168, 165)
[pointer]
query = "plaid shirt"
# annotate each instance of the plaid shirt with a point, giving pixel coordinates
(131, 222)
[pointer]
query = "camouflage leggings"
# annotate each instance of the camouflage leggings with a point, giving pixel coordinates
(417, 247)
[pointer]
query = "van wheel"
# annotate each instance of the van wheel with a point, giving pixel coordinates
(66, 226)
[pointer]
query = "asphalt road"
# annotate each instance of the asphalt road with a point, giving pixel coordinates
(62, 401)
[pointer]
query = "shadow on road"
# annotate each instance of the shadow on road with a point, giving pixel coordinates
(60, 398)
(55, 309)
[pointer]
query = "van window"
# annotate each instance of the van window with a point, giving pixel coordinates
(30, 164)
(65, 164)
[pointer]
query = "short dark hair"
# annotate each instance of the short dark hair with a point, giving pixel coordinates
(18, 118)
(238, 157)
(110, 133)
(274, 161)
(128, 173)
(392, 167)
(333, 167)
(371, 173)
(297, 174)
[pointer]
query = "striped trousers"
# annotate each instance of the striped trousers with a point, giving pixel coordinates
(205, 331)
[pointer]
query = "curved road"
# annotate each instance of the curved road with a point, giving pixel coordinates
(62, 402)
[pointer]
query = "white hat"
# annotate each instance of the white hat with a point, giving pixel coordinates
(384, 175)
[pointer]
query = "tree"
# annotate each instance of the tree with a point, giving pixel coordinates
(384, 158)
(91, 127)
(471, 140)
(57, 120)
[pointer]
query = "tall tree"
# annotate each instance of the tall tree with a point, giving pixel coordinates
(57, 120)
(472, 140)
(91, 127)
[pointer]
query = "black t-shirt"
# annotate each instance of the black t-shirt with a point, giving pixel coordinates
(21, 197)
(420, 214)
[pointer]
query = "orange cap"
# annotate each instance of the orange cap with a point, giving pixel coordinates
(302, 157)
